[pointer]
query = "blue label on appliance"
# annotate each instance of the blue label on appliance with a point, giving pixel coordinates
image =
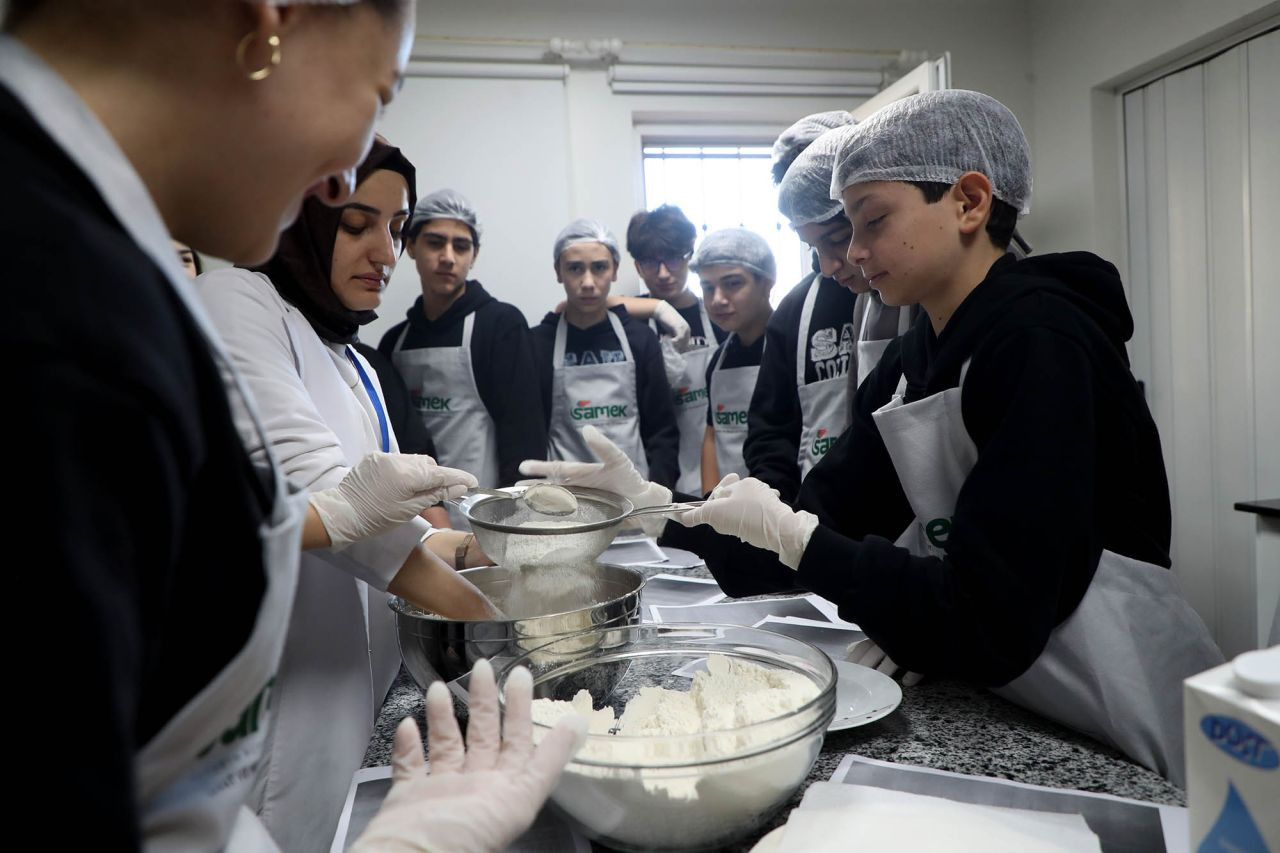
(1234, 828)
(1240, 741)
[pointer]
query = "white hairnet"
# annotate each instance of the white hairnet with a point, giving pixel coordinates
(586, 231)
(445, 204)
(800, 135)
(937, 137)
(804, 196)
(735, 247)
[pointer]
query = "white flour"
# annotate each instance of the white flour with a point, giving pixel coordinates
(547, 579)
(689, 805)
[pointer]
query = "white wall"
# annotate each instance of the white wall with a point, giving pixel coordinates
(531, 170)
(1080, 51)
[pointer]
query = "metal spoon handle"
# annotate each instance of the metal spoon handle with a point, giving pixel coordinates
(661, 508)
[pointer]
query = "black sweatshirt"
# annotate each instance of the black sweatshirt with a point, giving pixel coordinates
(502, 360)
(1069, 464)
(774, 421)
(137, 509)
(599, 344)
(411, 433)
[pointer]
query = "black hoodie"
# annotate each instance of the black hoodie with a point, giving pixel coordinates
(502, 360)
(1069, 463)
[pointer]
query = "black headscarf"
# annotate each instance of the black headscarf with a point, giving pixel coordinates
(302, 265)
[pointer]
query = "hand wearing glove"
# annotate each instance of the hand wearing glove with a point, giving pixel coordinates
(382, 491)
(673, 363)
(674, 327)
(614, 473)
(753, 512)
(480, 795)
(867, 653)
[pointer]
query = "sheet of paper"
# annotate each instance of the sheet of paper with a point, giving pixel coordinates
(744, 613)
(673, 590)
(1122, 825)
(369, 787)
(633, 551)
(832, 639)
(866, 818)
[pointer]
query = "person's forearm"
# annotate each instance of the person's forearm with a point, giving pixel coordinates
(314, 534)
(710, 467)
(427, 582)
(445, 545)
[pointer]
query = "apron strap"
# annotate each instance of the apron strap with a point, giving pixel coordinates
(404, 333)
(374, 399)
(802, 337)
(468, 325)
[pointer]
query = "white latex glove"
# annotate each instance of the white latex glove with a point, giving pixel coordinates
(673, 362)
(383, 491)
(480, 795)
(675, 327)
(752, 511)
(867, 653)
(613, 473)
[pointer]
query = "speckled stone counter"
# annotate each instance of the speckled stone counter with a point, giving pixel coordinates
(942, 724)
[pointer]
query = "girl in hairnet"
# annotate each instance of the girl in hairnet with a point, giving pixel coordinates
(465, 356)
(290, 328)
(737, 271)
(600, 367)
(998, 509)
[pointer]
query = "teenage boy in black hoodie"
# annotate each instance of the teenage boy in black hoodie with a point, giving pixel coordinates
(998, 509)
(466, 358)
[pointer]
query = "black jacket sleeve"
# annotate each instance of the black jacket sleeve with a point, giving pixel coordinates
(774, 421)
(1024, 541)
(658, 429)
(510, 389)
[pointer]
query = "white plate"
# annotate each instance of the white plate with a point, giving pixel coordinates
(862, 696)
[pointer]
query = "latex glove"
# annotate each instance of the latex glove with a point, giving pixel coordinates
(673, 362)
(752, 511)
(383, 491)
(674, 327)
(480, 795)
(867, 653)
(613, 473)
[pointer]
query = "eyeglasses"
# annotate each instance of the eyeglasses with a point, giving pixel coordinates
(649, 266)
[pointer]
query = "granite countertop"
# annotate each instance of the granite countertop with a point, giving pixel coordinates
(946, 725)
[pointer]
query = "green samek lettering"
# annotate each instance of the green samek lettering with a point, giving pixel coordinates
(938, 531)
(822, 445)
(731, 418)
(435, 404)
(691, 395)
(590, 413)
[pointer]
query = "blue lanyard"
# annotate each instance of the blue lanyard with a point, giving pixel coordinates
(373, 397)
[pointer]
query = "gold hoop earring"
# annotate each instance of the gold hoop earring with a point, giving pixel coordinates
(242, 50)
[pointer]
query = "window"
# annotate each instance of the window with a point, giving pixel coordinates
(726, 186)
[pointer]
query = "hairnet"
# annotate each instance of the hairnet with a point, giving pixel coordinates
(804, 196)
(937, 137)
(735, 247)
(800, 135)
(585, 231)
(445, 204)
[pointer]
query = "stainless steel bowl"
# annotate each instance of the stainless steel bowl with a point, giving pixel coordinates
(433, 647)
(513, 535)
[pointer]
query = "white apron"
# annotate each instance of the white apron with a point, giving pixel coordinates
(690, 392)
(823, 410)
(442, 384)
(872, 330)
(731, 391)
(1114, 668)
(603, 395)
(191, 778)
